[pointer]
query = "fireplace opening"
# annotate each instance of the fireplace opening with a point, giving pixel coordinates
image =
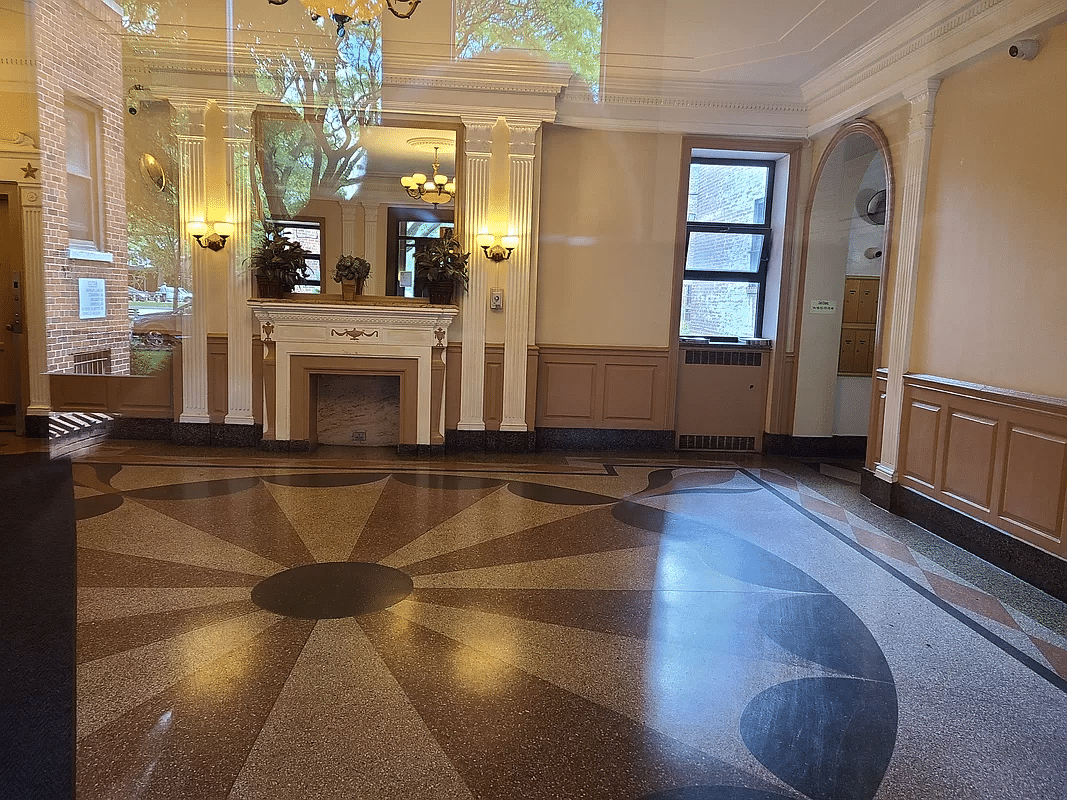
(357, 410)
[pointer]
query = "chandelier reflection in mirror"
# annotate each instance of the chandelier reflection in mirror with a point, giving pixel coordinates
(344, 11)
(435, 189)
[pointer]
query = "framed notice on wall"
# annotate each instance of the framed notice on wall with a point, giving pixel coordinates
(92, 298)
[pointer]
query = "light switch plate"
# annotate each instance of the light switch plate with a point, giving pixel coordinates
(496, 299)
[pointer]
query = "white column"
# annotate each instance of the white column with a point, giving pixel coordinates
(33, 295)
(239, 246)
(192, 205)
(370, 235)
(916, 165)
(522, 168)
(474, 189)
(348, 230)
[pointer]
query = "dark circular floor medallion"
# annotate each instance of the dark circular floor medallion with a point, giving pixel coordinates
(332, 590)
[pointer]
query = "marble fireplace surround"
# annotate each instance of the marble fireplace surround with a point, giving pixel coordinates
(323, 335)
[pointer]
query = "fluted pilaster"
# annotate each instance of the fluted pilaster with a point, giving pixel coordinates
(239, 317)
(192, 205)
(523, 176)
(475, 190)
(33, 296)
(913, 196)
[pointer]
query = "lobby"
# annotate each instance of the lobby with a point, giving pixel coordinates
(614, 476)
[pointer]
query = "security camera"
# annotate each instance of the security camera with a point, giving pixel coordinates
(135, 96)
(1025, 49)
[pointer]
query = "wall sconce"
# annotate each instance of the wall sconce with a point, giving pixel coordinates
(494, 251)
(216, 240)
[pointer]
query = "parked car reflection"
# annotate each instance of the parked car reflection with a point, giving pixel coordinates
(158, 329)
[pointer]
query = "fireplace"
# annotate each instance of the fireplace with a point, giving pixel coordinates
(394, 338)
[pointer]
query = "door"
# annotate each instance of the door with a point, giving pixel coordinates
(12, 316)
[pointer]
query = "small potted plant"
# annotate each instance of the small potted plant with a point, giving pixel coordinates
(351, 272)
(442, 265)
(278, 263)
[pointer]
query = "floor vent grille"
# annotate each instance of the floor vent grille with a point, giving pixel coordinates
(735, 443)
(724, 357)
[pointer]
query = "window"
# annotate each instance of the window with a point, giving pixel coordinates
(308, 233)
(410, 231)
(84, 221)
(727, 247)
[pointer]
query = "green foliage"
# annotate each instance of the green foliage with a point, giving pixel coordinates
(567, 30)
(278, 260)
(315, 150)
(145, 362)
(443, 259)
(350, 268)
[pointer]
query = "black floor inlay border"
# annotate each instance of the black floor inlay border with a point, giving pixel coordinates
(1007, 647)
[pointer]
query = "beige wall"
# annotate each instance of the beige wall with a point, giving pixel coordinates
(608, 219)
(992, 297)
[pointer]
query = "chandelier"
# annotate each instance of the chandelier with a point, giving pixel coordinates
(435, 189)
(344, 11)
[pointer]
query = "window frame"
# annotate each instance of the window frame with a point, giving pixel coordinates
(94, 118)
(395, 215)
(764, 229)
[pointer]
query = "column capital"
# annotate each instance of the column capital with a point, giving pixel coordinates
(238, 118)
(190, 118)
(523, 138)
(30, 194)
(921, 97)
(478, 135)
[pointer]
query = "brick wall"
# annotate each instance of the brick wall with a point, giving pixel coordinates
(79, 53)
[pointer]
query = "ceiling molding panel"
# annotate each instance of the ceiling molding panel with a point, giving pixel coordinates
(942, 37)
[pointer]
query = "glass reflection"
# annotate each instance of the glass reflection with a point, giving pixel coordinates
(569, 31)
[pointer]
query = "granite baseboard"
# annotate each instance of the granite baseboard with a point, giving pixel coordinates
(213, 434)
(1038, 568)
(36, 427)
(457, 441)
(420, 450)
(606, 439)
(778, 444)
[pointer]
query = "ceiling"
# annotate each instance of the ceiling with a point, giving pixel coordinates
(752, 42)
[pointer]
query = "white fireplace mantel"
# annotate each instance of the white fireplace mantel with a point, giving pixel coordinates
(325, 335)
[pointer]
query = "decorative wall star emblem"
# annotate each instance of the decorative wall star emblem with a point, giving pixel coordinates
(29, 171)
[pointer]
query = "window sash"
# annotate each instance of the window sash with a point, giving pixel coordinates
(758, 276)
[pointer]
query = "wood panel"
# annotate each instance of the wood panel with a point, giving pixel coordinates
(920, 445)
(629, 391)
(1034, 478)
(602, 387)
(1001, 456)
(968, 459)
(218, 386)
(570, 390)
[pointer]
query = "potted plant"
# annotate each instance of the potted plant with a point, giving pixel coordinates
(278, 263)
(351, 272)
(442, 265)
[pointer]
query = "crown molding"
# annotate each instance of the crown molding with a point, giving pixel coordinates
(941, 37)
(637, 105)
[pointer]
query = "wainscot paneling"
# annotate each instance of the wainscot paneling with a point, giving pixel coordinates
(997, 455)
(602, 387)
(218, 389)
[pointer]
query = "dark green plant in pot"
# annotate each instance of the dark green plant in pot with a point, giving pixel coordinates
(442, 265)
(278, 263)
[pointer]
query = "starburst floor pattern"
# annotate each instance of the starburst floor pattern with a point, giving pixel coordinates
(634, 630)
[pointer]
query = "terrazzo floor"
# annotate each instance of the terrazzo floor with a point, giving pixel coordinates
(543, 627)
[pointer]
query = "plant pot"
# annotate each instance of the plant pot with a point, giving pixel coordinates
(268, 289)
(350, 290)
(441, 291)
